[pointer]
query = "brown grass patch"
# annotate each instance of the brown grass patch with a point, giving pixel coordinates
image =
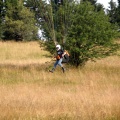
(29, 92)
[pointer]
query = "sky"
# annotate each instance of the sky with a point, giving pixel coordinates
(105, 2)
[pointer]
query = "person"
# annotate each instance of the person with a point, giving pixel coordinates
(59, 58)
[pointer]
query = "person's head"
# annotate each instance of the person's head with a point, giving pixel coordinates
(58, 47)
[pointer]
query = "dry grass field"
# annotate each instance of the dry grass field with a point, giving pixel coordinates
(29, 92)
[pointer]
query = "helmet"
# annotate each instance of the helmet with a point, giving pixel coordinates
(58, 47)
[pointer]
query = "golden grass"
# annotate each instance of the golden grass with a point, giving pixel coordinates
(29, 92)
(75, 102)
(22, 53)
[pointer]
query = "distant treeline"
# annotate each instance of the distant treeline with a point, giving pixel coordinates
(21, 19)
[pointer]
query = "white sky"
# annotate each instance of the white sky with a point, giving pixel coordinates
(105, 2)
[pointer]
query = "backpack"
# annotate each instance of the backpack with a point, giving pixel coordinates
(66, 57)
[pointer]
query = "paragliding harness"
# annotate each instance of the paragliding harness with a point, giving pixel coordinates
(61, 53)
(66, 56)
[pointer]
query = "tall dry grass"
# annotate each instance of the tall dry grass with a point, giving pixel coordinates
(22, 53)
(29, 92)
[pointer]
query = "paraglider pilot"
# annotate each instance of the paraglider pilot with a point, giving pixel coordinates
(59, 58)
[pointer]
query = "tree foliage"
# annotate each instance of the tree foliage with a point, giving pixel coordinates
(93, 2)
(52, 17)
(112, 12)
(43, 16)
(97, 6)
(117, 13)
(90, 35)
(82, 28)
(2, 15)
(19, 22)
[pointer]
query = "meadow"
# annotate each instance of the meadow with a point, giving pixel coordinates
(29, 92)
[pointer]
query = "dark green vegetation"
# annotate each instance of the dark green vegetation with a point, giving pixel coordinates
(18, 21)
